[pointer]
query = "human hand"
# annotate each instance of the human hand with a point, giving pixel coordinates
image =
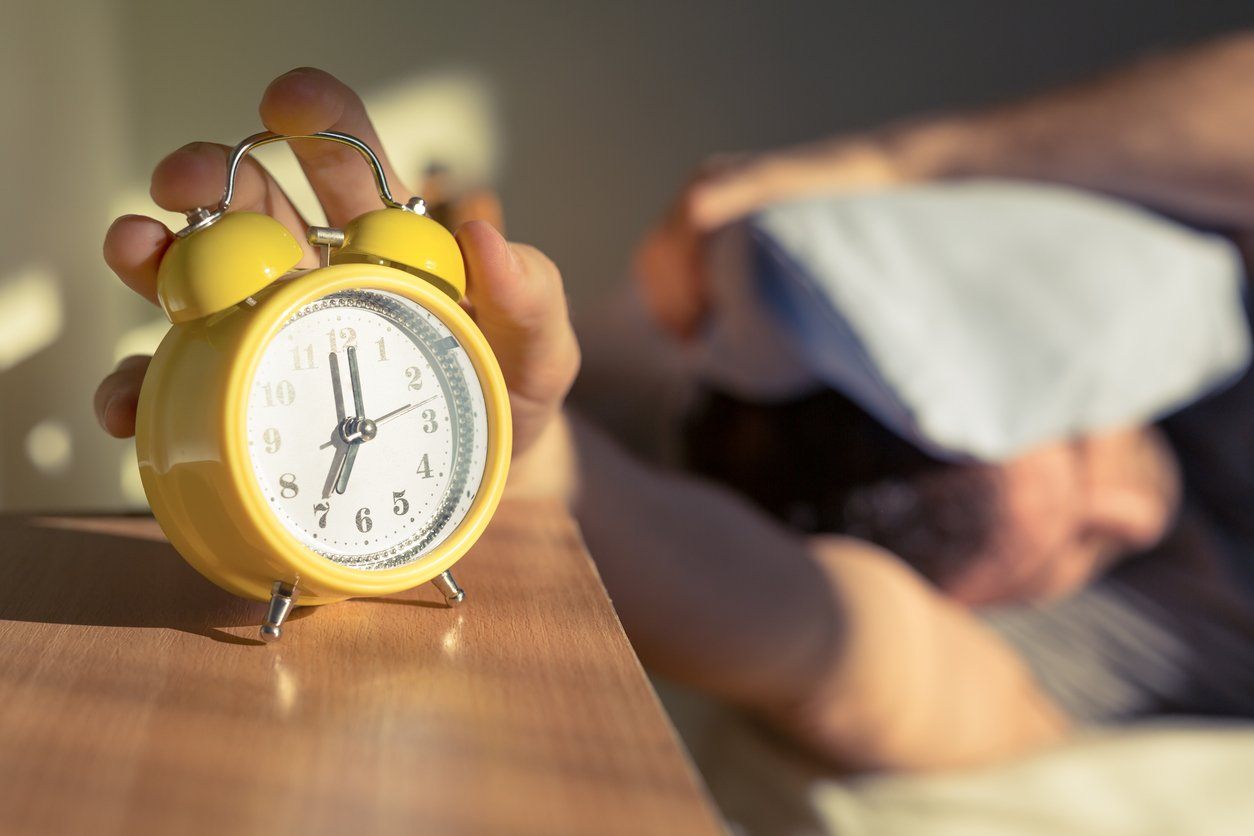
(514, 292)
(669, 261)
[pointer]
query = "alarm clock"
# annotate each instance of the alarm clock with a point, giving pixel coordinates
(320, 434)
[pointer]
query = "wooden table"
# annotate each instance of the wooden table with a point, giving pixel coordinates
(136, 698)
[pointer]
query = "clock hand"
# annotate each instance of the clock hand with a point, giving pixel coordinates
(337, 468)
(337, 388)
(346, 468)
(341, 451)
(396, 413)
(354, 377)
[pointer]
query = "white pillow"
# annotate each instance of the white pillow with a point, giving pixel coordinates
(980, 318)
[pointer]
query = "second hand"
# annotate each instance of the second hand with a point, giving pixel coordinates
(396, 413)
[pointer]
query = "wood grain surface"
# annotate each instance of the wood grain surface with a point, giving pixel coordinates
(135, 697)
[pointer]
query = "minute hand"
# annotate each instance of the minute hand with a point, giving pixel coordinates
(337, 389)
(354, 378)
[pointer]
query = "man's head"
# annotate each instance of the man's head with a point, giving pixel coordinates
(1001, 324)
(1037, 525)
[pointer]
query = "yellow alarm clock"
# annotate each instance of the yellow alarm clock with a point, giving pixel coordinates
(322, 433)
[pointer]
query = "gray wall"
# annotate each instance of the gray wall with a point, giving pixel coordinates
(596, 111)
(605, 106)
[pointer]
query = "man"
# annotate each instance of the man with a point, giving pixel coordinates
(836, 643)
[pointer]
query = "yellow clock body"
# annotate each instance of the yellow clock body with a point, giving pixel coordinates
(367, 369)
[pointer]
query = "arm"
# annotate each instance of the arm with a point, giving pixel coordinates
(835, 643)
(1172, 132)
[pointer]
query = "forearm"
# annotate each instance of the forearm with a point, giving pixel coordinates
(1172, 132)
(835, 642)
(711, 592)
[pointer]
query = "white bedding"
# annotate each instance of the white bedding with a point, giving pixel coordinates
(1185, 776)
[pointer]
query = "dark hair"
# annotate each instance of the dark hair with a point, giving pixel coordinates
(822, 464)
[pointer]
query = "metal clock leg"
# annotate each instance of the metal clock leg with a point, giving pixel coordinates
(282, 599)
(453, 594)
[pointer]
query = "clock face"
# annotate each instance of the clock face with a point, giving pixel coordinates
(367, 429)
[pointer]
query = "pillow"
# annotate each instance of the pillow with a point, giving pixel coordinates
(976, 319)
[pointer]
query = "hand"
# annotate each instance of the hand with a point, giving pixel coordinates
(382, 419)
(337, 467)
(402, 410)
(337, 389)
(514, 293)
(346, 467)
(341, 449)
(354, 380)
(669, 261)
(359, 412)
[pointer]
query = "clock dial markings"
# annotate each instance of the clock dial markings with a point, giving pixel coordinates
(407, 512)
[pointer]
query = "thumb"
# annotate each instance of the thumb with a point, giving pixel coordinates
(520, 305)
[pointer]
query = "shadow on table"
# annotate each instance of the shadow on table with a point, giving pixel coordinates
(112, 572)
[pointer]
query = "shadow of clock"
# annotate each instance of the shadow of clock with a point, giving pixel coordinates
(113, 572)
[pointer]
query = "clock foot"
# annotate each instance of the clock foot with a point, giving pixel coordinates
(282, 599)
(453, 594)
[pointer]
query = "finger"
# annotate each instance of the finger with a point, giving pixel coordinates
(670, 273)
(477, 205)
(513, 287)
(520, 306)
(133, 248)
(195, 175)
(718, 198)
(117, 397)
(726, 193)
(307, 100)
(454, 207)
(669, 265)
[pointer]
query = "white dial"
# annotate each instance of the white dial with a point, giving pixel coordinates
(367, 429)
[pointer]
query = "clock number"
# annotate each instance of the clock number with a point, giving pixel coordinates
(302, 358)
(283, 393)
(322, 508)
(272, 439)
(287, 486)
(347, 337)
(424, 467)
(364, 523)
(415, 377)
(383, 350)
(401, 506)
(430, 424)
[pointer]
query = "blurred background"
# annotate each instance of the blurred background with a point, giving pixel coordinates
(587, 116)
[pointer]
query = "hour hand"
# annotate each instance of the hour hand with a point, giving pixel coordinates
(346, 467)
